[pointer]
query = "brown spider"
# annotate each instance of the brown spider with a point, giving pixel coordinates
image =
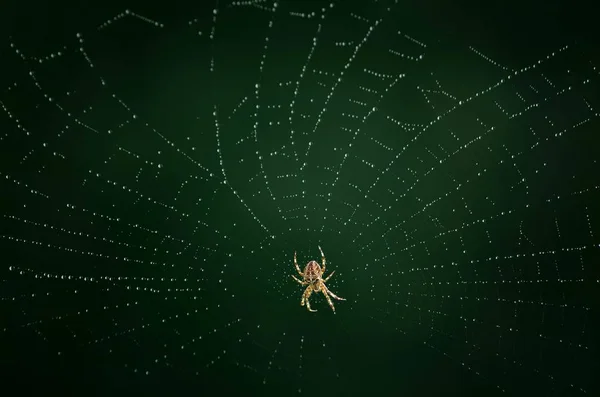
(312, 277)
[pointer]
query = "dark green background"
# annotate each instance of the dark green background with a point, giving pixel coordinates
(476, 276)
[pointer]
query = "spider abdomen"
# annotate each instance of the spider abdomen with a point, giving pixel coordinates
(312, 271)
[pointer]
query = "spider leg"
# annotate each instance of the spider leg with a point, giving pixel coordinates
(305, 297)
(324, 291)
(296, 264)
(298, 280)
(328, 277)
(322, 259)
(332, 294)
(308, 306)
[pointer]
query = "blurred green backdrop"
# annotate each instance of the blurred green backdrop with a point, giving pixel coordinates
(160, 164)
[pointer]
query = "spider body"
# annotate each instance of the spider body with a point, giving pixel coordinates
(312, 277)
(312, 272)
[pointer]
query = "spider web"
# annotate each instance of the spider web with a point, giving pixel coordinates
(160, 167)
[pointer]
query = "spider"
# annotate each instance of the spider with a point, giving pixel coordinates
(312, 277)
